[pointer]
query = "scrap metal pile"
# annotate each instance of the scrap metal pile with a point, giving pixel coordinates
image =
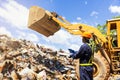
(23, 60)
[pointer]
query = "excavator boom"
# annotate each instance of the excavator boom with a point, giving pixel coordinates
(47, 23)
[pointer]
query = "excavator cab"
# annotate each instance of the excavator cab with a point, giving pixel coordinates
(113, 33)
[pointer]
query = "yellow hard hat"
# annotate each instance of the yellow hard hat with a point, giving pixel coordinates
(86, 34)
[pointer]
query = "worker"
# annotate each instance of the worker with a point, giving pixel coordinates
(85, 56)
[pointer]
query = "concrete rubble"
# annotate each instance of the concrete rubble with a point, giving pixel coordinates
(23, 60)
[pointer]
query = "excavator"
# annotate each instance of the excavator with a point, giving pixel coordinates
(106, 61)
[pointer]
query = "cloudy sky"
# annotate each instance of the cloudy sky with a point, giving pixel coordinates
(14, 18)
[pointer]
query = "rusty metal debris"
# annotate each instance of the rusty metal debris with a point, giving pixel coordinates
(23, 60)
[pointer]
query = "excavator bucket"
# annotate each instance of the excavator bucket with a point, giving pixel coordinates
(39, 20)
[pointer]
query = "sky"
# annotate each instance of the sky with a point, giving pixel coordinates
(14, 19)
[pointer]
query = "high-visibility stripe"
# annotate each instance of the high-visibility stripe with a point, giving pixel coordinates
(86, 64)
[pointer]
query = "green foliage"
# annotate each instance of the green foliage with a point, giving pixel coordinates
(102, 28)
(116, 17)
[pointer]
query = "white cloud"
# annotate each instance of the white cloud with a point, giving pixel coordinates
(64, 17)
(3, 30)
(32, 37)
(51, 1)
(74, 22)
(75, 42)
(14, 13)
(115, 9)
(74, 47)
(51, 47)
(60, 37)
(78, 18)
(86, 3)
(28, 36)
(65, 38)
(94, 13)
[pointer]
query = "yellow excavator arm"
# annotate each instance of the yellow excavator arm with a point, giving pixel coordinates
(47, 23)
(78, 29)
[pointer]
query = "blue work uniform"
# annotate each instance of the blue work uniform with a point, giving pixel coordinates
(84, 55)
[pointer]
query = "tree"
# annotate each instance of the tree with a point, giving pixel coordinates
(102, 28)
(116, 17)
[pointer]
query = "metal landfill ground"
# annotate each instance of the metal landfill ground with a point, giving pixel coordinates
(24, 60)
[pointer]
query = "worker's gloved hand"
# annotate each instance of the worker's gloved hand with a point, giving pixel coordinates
(72, 53)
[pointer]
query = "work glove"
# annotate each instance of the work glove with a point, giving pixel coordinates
(72, 53)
